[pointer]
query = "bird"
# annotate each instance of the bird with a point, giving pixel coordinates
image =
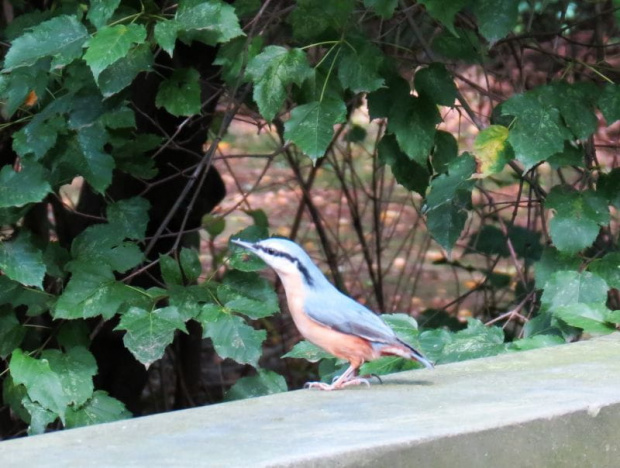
(326, 317)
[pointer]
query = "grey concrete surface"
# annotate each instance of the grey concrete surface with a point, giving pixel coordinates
(552, 407)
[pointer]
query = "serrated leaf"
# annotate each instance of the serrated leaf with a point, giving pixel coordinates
(571, 287)
(241, 259)
(492, 241)
(210, 22)
(43, 385)
(74, 333)
(189, 299)
(609, 103)
(61, 38)
(465, 46)
(92, 291)
(121, 73)
(150, 332)
(444, 11)
(496, 18)
(233, 55)
(11, 331)
(591, 318)
(383, 8)
(101, 408)
(101, 11)
(75, 369)
(265, 383)
(383, 102)
(190, 264)
(405, 327)
(39, 136)
(29, 185)
(170, 270)
(413, 121)
(609, 186)
(446, 222)
(446, 187)
(537, 132)
(129, 217)
(308, 351)
(436, 83)
(272, 71)
(578, 217)
(22, 261)
(551, 261)
(180, 94)
(492, 150)
(571, 155)
(444, 152)
(112, 43)
(535, 342)
(311, 126)
(408, 173)
(40, 417)
(388, 365)
(313, 17)
(358, 66)
(608, 268)
(231, 336)
(249, 294)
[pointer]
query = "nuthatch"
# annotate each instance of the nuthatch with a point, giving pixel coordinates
(328, 318)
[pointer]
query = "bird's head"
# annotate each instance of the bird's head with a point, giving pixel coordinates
(286, 257)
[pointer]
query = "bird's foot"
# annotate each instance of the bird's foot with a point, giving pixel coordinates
(337, 385)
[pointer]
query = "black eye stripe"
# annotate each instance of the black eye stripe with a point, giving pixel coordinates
(277, 253)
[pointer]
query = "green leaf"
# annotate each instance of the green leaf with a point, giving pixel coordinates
(310, 126)
(388, 365)
(190, 264)
(571, 155)
(180, 94)
(492, 150)
(61, 38)
(537, 133)
(446, 222)
(272, 71)
(492, 241)
(129, 217)
(436, 83)
(149, 333)
(551, 261)
(39, 136)
(101, 11)
(578, 217)
(170, 270)
(308, 351)
(405, 327)
(29, 185)
(408, 173)
(211, 22)
(413, 121)
(609, 186)
(535, 342)
(358, 65)
(101, 408)
(189, 299)
(464, 46)
(446, 187)
(43, 385)
(265, 383)
(112, 43)
(608, 268)
(476, 341)
(591, 318)
(11, 331)
(231, 336)
(92, 291)
(74, 333)
(571, 287)
(75, 369)
(311, 18)
(249, 294)
(444, 11)
(22, 261)
(241, 259)
(609, 103)
(122, 73)
(213, 224)
(383, 8)
(259, 217)
(234, 55)
(40, 417)
(385, 101)
(444, 152)
(496, 18)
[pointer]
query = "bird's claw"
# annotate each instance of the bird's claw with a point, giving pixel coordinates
(336, 386)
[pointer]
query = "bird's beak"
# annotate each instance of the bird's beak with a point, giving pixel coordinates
(246, 245)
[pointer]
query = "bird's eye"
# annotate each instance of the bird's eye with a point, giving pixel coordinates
(270, 251)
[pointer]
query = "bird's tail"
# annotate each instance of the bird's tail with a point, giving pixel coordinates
(406, 351)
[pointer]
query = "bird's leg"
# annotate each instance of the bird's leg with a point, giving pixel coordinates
(346, 379)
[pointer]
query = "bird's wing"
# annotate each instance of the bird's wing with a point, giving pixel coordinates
(345, 315)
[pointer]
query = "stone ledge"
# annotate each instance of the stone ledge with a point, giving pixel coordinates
(548, 407)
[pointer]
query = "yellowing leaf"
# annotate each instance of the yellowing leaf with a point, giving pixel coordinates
(492, 150)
